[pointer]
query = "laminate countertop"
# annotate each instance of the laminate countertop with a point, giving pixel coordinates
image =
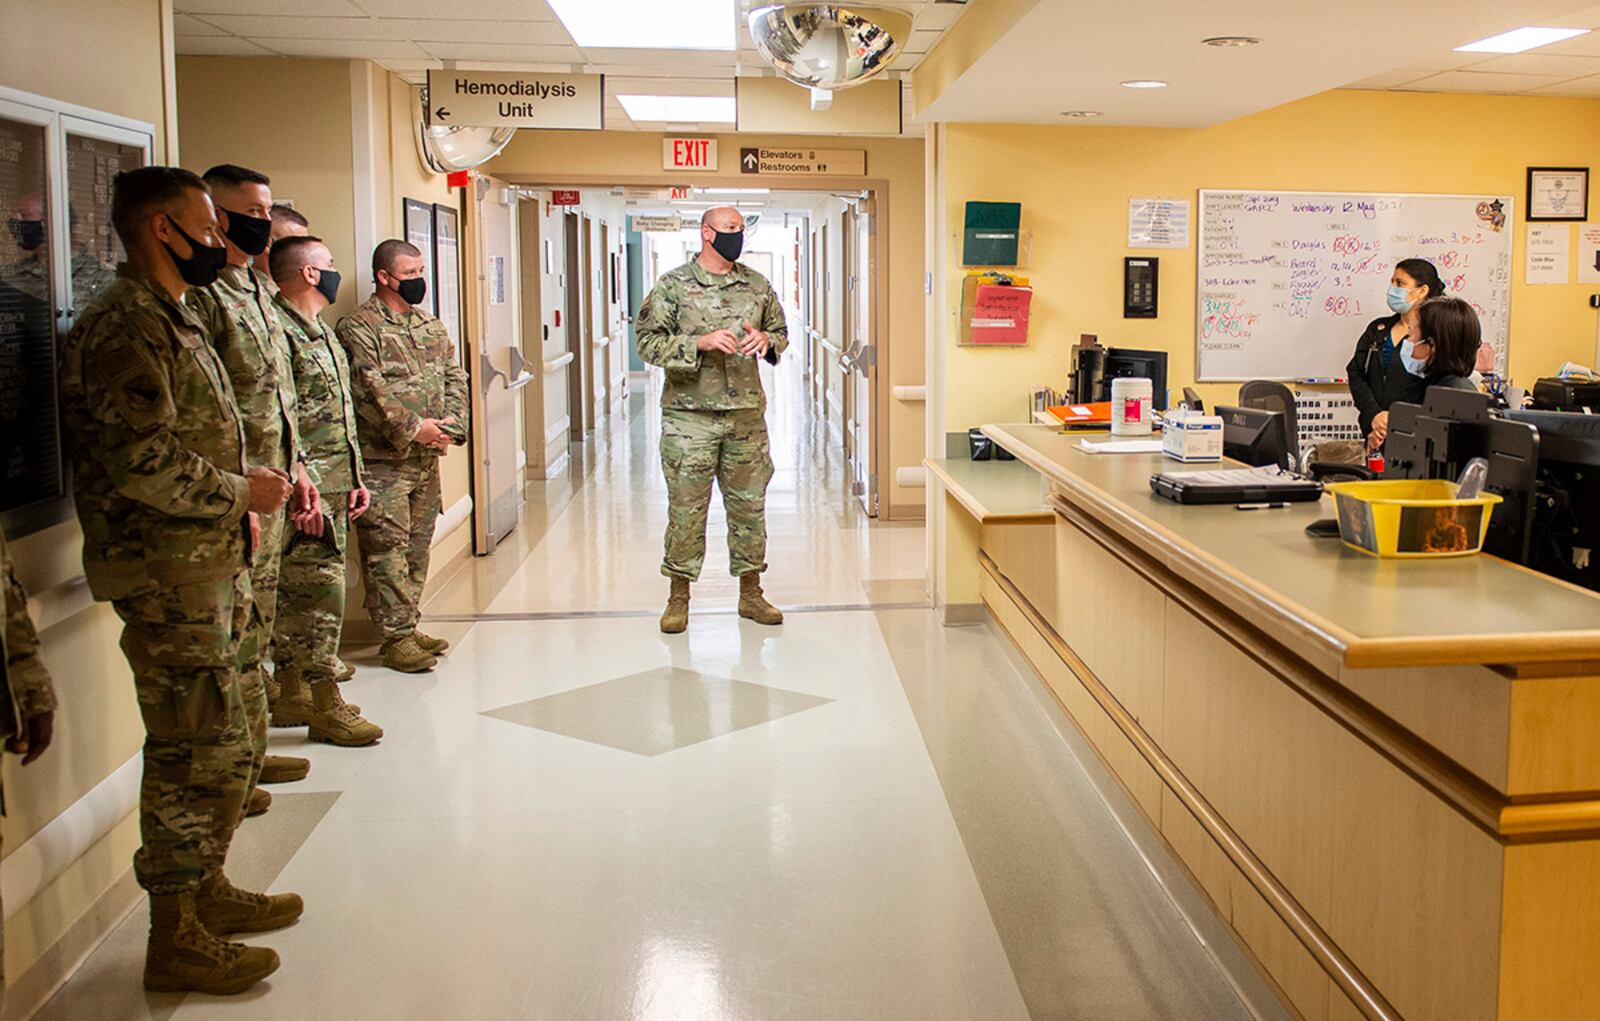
(1317, 595)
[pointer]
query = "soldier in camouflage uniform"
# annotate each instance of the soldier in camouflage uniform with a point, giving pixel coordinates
(30, 274)
(29, 704)
(169, 507)
(708, 323)
(312, 583)
(411, 395)
(238, 314)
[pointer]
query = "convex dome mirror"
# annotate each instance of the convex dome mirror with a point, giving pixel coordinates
(829, 46)
(447, 147)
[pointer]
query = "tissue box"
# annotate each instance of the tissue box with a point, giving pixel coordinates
(1188, 436)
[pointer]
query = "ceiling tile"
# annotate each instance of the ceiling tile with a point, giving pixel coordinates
(217, 46)
(688, 58)
(478, 10)
(352, 49)
(560, 67)
(1541, 63)
(185, 24)
(1579, 87)
(285, 27)
(453, 30)
(301, 8)
(921, 41)
(1479, 81)
(1390, 79)
(503, 51)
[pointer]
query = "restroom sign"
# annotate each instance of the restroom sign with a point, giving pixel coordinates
(813, 162)
(691, 154)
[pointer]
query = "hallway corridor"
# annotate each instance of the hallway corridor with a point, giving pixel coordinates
(859, 814)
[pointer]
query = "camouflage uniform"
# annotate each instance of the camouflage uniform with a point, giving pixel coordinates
(312, 584)
(238, 314)
(28, 690)
(404, 370)
(158, 459)
(31, 276)
(713, 423)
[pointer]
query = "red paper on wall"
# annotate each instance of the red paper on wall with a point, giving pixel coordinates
(1000, 314)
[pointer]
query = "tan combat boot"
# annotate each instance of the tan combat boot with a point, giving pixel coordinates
(225, 909)
(183, 956)
(293, 707)
(335, 721)
(753, 605)
(430, 644)
(273, 685)
(260, 801)
(406, 656)
(676, 618)
(284, 769)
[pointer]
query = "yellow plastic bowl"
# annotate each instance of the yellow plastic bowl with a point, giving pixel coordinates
(1402, 518)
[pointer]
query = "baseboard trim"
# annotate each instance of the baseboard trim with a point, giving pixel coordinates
(31, 990)
(963, 614)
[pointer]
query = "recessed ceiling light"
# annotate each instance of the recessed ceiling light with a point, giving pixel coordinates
(682, 109)
(1080, 113)
(1520, 39)
(649, 24)
(733, 191)
(1144, 83)
(1231, 40)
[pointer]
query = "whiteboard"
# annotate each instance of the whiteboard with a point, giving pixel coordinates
(1287, 280)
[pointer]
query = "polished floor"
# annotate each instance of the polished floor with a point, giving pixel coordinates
(858, 815)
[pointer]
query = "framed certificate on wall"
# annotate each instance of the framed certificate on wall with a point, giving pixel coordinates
(1558, 193)
(447, 272)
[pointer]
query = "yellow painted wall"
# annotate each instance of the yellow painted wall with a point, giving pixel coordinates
(117, 67)
(628, 157)
(1074, 184)
(123, 67)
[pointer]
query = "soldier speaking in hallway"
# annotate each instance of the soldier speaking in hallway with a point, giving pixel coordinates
(311, 583)
(709, 323)
(169, 506)
(411, 395)
(237, 312)
(28, 701)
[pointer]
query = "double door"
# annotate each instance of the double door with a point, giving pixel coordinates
(860, 359)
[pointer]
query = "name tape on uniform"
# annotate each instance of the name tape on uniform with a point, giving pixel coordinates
(813, 162)
(515, 99)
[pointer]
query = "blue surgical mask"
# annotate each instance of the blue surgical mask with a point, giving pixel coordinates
(1414, 365)
(1398, 302)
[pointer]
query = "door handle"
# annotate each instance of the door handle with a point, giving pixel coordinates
(487, 371)
(520, 376)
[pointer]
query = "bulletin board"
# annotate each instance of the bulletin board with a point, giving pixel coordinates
(1288, 280)
(447, 272)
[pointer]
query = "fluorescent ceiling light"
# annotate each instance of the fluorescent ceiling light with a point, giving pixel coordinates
(733, 191)
(1519, 39)
(1144, 83)
(649, 24)
(682, 109)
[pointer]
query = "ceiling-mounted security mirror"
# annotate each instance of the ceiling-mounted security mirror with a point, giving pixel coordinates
(829, 46)
(447, 147)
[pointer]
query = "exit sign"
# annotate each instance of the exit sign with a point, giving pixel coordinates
(692, 154)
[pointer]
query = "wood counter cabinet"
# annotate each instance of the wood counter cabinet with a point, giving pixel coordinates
(1385, 775)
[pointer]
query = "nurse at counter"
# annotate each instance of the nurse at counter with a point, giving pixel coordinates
(1447, 346)
(1378, 375)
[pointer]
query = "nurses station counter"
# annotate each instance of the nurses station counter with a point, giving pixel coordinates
(1385, 774)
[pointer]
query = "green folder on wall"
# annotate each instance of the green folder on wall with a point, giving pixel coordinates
(991, 234)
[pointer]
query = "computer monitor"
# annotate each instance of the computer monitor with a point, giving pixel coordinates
(1127, 363)
(1254, 436)
(1566, 533)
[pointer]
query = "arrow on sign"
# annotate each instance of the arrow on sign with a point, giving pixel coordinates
(1597, 260)
(441, 114)
(750, 160)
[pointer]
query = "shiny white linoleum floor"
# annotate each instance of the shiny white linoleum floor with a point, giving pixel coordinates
(859, 814)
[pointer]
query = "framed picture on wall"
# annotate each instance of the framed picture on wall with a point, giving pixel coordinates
(1558, 194)
(446, 255)
(419, 231)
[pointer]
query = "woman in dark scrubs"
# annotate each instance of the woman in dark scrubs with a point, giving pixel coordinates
(1377, 374)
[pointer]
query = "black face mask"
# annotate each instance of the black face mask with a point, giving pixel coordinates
(28, 234)
(728, 244)
(328, 284)
(250, 234)
(413, 290)
(200, 269)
